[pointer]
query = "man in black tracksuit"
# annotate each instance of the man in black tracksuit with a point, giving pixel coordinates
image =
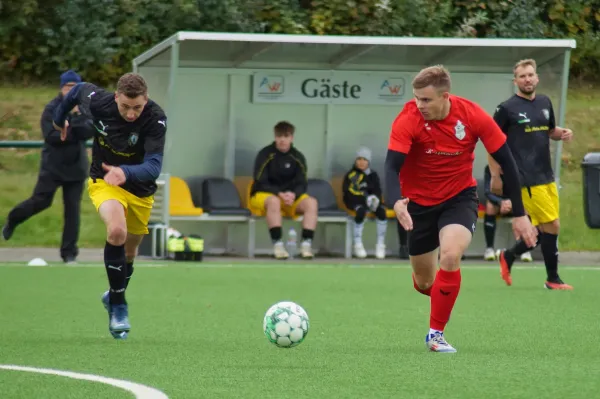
(64, 164)
(279, 188)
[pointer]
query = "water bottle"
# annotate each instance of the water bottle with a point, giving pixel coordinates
(292, 243)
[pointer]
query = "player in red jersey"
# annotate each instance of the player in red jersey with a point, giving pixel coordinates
(431, 150)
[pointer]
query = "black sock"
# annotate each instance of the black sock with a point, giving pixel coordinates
(307, 234)
(115, 263)
(489, 227)
(129, 273)
(519, 249)
(275, 233)
(402, 235)
(550, 252)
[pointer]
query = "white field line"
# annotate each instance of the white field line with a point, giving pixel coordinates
(140, 391)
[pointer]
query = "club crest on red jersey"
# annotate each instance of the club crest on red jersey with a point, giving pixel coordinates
(459, 130)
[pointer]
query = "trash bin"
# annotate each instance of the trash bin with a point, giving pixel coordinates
(591, 189)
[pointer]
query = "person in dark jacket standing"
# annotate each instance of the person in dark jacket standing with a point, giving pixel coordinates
(64, 164)
(362, 194)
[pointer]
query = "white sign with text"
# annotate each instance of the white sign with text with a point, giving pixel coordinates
(328, 88)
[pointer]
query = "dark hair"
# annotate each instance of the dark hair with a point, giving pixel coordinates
(132, 85)
(284, 128)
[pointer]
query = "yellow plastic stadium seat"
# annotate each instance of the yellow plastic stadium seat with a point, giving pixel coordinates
(243, 184)
(390, 214)
(180, 199)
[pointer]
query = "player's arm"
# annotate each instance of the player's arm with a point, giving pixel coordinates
(393, 163)
(487, 179)
(81, 127)
(261, 173)
(557, 133)
(154, 145)
(399, 145)
(350, 195)
(501, 119)
(494, 141)
(78, 95)
(51, 135)
(300, 182)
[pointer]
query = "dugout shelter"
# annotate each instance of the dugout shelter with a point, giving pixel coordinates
(224, 92)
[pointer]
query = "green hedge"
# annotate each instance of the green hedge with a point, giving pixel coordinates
(99, 38)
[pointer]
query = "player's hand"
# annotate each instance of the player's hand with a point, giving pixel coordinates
(62, 130)
(402, 214)
(524, 230)
(505, 206)
(292, 197)
(496, 185)
(566, 135)
(114, 175)
(287, 198)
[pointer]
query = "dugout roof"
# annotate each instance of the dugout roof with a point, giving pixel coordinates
(356, 53)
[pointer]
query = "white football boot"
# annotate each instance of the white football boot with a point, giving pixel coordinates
(526, 257)
(279, 251)
(380, 251)
(306, 250)
(437, 343)
(359, 250)
(489, 254)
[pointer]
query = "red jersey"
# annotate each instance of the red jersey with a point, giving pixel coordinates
(440, 153)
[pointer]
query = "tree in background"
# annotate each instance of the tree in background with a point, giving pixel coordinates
(40, 38)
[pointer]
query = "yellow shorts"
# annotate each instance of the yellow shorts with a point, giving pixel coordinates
(257, 204)
(137, 209)
(542, 206)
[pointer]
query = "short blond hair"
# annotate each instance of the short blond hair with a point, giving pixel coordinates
(436, 76)
(525, 63)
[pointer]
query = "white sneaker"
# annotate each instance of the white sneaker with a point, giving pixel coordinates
(489, 254)
(306, 250)
(380, 251)
(279, 251)
(437, 343)
(359, 250)
(526, 257)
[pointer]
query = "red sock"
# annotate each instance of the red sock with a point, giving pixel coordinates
(443, 296)
(424, 292)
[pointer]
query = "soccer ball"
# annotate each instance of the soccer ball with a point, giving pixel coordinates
(286, 324)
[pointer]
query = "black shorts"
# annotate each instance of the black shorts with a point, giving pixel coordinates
(429, 220)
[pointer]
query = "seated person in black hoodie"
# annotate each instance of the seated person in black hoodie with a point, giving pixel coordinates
(64, 164)
(280, 183)
(362, 194)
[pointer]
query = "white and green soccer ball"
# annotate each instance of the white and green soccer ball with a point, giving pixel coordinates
(286, 324)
